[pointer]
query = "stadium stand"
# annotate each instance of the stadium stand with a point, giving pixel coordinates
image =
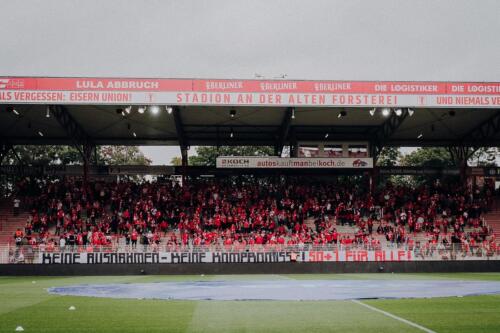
(62, 214)
(493, 219)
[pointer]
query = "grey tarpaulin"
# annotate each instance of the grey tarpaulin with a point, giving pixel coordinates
(284, 289)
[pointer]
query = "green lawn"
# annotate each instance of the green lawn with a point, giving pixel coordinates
(28, 304)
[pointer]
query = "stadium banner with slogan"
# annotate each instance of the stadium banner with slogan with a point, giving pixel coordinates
(124, 91)
(234, 257)
(294, 162)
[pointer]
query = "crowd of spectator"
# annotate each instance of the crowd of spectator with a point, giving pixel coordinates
(260, 211)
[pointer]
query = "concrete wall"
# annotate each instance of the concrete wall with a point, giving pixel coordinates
(257, 268)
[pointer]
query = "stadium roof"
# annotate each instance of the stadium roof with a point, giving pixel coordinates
(470, 117)
(212, 125)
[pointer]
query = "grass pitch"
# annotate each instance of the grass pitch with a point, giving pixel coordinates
(25, 302)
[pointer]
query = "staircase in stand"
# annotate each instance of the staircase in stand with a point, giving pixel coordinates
(493, 219)
(10, 223)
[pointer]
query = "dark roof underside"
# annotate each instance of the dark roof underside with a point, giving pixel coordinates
(208, 125)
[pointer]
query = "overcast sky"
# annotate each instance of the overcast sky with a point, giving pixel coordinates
(452, 40)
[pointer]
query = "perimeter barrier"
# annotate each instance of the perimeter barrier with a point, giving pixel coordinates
(217, 254)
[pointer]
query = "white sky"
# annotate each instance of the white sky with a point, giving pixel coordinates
(445, 40)
(306, 39)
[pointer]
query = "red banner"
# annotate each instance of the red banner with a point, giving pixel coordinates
(248, 92)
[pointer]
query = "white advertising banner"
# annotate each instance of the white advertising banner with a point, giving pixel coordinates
(217, 257)
(244, 99)
(295, 163)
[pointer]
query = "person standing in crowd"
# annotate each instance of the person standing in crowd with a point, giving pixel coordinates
(18, 237)
(16, 204)
(30, 255)
(62, 243)
(20, 258)
(133, 237)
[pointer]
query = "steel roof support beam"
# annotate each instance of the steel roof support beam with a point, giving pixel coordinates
(5, 147)
(385, 131)
(81, 140)
(481, 135)
(468, 144)
(181, 135)
(460, 154)
(283, 132)
(178, 127)
(294, 145)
